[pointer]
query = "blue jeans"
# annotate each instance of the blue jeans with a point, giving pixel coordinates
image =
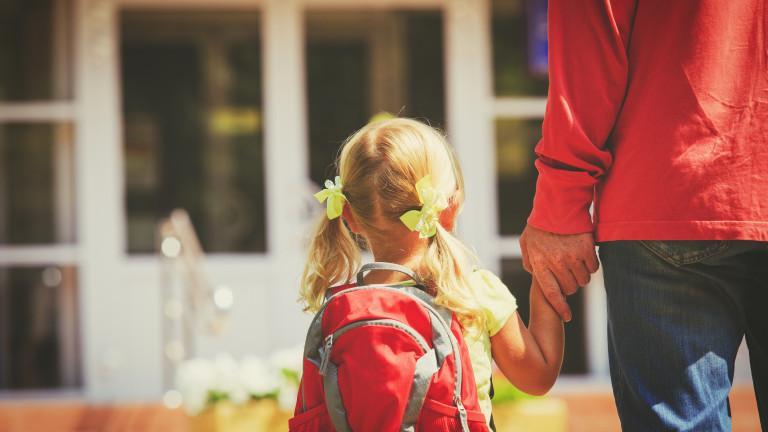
(677, 313)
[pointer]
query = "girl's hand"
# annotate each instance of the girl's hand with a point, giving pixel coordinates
(531, 357)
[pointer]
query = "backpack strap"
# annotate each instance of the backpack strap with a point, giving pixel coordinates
(386, 266)
(426, 367)
(333, 402)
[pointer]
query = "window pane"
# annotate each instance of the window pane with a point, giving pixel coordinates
(36, 184)
(193, 131)
(35, 50)
(515, 143)
(39, 346)
(362, 63)
(520, 47)
(519, 283)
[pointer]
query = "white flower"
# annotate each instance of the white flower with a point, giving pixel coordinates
(194, 379)
(227, 378)
(288, 365)
(253, 377)
(289, 359)
(286, 397)
(258, 379)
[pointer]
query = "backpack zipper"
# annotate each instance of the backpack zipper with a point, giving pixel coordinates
(462, 414)
(325, 354)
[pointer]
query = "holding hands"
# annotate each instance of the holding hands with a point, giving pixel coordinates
(560, 263)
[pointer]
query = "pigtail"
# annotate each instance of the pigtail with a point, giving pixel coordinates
(332, 259)
(448, 264)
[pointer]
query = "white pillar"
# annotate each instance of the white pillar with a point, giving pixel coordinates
(120, 359)
(469, 100)
(286, 167)
(595, 326)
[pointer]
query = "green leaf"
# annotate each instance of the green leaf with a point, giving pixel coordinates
(505, 392)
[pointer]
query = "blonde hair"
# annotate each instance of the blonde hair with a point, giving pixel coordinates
(379, 166)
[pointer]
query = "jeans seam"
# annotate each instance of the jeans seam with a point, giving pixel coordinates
(680, 261)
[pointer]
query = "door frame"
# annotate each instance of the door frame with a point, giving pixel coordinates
(120, 351)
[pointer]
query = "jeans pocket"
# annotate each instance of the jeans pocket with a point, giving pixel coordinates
(685, 252)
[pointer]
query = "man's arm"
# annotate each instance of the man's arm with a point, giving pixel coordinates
(588, 45)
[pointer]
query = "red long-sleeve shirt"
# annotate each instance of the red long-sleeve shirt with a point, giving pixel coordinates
(657, 112)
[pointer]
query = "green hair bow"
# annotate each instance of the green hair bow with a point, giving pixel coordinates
(433, 202)
(332, 193)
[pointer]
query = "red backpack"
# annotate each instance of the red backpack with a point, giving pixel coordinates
(386, 358)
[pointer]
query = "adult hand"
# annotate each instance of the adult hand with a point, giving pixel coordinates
(561, 263)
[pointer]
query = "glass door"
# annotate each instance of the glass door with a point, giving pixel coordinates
(362, 63)
(192, 113)
(39, 287)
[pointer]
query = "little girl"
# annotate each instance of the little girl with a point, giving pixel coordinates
(400, 190)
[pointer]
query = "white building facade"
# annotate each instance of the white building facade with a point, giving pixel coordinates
(233, 109)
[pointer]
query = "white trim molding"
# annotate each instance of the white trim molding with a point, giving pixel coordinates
(39, 255)
(377, 4)
(519, 107)
(37, 112)
(189, 4)
(509, 247)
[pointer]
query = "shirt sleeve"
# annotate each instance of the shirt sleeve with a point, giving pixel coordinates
(588, 70)
(495, 300)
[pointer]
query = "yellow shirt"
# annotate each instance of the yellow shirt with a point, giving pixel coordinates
(498, 304)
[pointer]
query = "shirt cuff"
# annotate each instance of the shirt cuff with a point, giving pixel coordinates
(562, 201)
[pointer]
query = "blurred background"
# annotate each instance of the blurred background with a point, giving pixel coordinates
(113, 113)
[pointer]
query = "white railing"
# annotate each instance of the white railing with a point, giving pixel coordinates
(192, 305)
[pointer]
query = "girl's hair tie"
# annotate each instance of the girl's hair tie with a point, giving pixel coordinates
(335, 198)
(433, 202)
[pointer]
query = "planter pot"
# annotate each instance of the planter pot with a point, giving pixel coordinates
(540, 415)
(256, 416)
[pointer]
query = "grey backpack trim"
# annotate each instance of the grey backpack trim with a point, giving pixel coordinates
(426, 367)
(333, 402)
(385, 266)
